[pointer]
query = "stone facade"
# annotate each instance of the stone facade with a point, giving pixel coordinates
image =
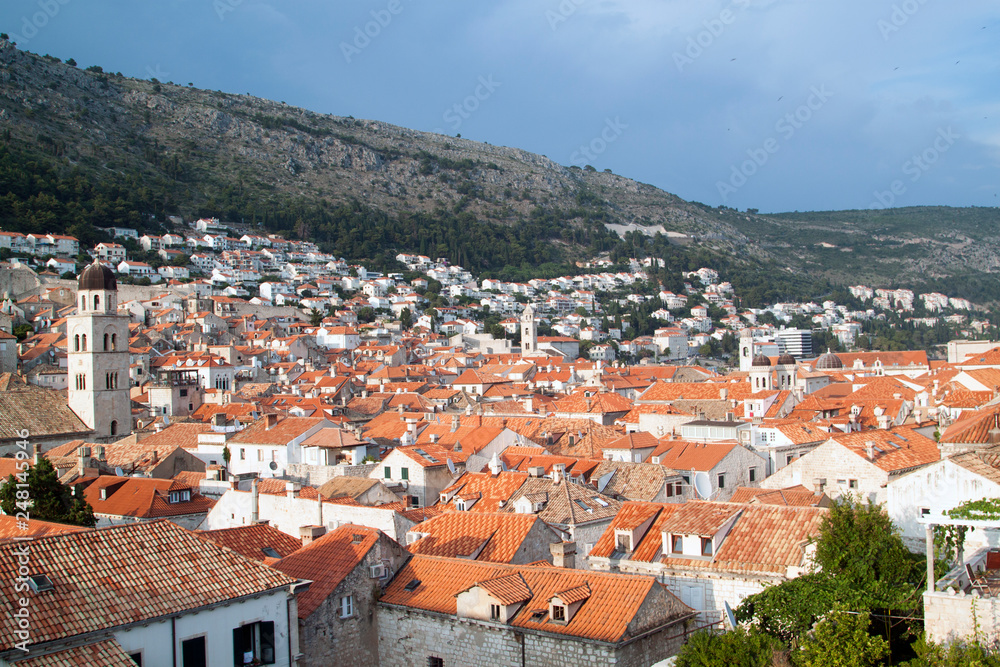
(311, 475)
(948, 616)
(834, 463)
(408, 637)
(327, 638)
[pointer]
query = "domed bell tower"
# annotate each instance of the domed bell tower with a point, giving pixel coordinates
(98, 355)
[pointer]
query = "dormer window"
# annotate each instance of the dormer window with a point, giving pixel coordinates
(179, 496)
(623, 542)
(558, 613)
(676, 544)
(494, 612)
(706, 546)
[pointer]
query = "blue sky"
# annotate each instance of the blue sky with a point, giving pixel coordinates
(777, 105)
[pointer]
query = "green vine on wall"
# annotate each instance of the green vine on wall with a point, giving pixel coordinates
(949, 541)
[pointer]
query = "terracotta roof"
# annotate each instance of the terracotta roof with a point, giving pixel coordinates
(461, 534)
(983, 462)
(286, 430)
(896, 450)
(104, 653)
(795, 496)
(973, 427)
(251, 541)
(493, 490)
(700, 518)
(638, 440)
(11, 528)
(346, 486)
(41, 412)
(599, 403)
(634, 481)
(508, 590)
(125, 574)
(683, 455)
(632, 516)
(326, 562)
(613, 605)
(142, 498)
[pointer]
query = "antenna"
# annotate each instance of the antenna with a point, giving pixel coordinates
(703, 485)
(451, 467)
(730, 615)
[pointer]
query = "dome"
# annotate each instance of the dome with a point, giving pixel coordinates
(760, 361)
(829, 362)
(786, 360)
(97, 276)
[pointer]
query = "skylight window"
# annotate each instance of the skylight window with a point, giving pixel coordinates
(270, 552)
(39, 583)
(412, 586)
(600, 501)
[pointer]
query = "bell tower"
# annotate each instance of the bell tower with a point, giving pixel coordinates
(98, 355)
(529, 332)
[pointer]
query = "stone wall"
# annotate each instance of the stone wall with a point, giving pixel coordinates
(313, 475)
(407, 638)
(328, 639)
(952, 615)
(832, 462)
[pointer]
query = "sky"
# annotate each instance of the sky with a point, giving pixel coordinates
(777, 105)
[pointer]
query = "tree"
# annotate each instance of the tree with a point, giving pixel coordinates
(842, 640)
(71, 62)
(315, 317)
(743, 647)
(49, 499)
(860, 549)
(406, 319)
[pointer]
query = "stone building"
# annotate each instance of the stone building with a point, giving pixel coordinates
(444, 611)
(710, 553)
(97, 338)
(348, 568)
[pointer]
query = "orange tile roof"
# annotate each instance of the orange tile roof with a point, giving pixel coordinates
(493, 490)
(795, 496)
(106, 653)
(142, 498)
(286, 430)
(606, 616)
(11, 528)
(123, 575)
(508, 590)
(631, 516)
(896, 450)
(326, 562)
(704, 456)
(700, 518)
(973, 427)
(250, 541)
(460, 534)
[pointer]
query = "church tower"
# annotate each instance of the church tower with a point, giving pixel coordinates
(746, 350)
(529, 333)
(786, 373)
(760, 374)
(98, 355)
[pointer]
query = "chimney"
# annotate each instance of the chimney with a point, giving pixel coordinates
(319, 510)
(219, 419)
(455, 421)
(563, 554)
(730, 416)
(589, 403)
(870, 450)
(434, 438)
(84, 456)
(292, 489)
(270, 421)
(254, 501)
(495, 467)
(99, 452)
(310, 534)
(528, 407)
(536, 471)
(723, 394)
(558, 472)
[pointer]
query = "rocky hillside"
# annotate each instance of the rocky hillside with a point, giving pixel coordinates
(198, 152)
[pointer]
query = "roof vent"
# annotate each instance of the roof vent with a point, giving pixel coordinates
(412, 586)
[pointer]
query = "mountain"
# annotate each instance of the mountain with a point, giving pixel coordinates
(82, 150)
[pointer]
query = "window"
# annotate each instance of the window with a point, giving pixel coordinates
(494, 612)
(347, 606)
(388, 472)
(83, 341)
(706, 546)
(414, 501)
(107, 342)
(623, 543)
(193, 650)
(114, 427)
(76, 343)
(404, 473)
(788, 458)
(676, 544)
(753, 474)
(558, 613)
(852, 483)
(243, 454)
(97, 302)
(722, 481)
(183, 393)
(434, 661)
(114, 342)
(254, 641)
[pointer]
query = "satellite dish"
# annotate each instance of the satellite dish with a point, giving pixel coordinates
(272, 465)
(451, 467)
(119, 471)
(703, 485)
(730, 615)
